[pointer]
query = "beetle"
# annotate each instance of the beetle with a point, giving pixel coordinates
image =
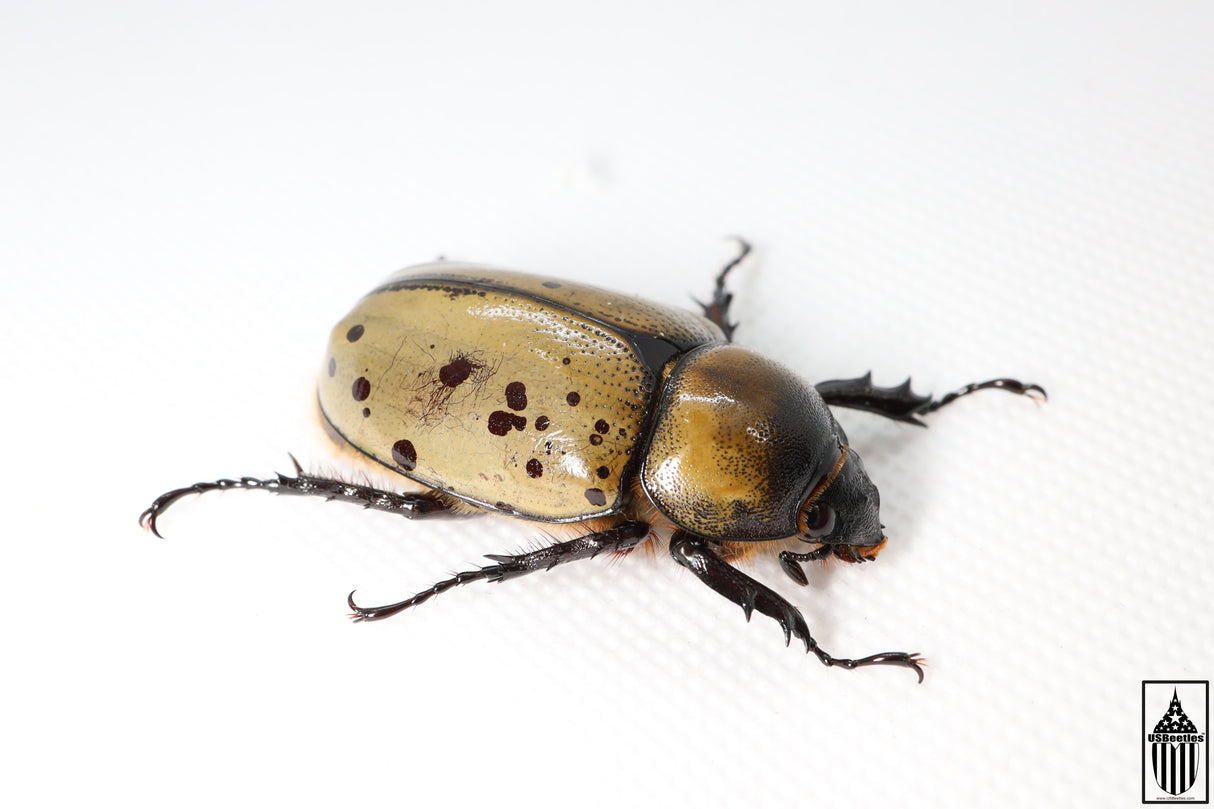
(559, 402)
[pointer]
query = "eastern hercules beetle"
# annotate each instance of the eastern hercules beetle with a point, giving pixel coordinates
(563, 403)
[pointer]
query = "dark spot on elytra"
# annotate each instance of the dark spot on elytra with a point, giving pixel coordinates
(623, 432)
(463, 376)
(573, 398)
(516, 396)
(332, 366)
(542, 422)
(500, 506)
(404, 454)
(551, 285)
(566, 361)
(501, 422)
(361, 389)
(366, 412)
(534, 468)
(355, 332)
(602, 472)
(602, 426)
(596, 439)
(456, 371)
(596, 497)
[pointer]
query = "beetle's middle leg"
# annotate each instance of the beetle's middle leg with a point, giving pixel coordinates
(623, 537)
(718, 309)
(695, 555)
(900, 403)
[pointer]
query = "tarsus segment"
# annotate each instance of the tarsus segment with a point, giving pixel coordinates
(623, 537)
(900, 403)
(696, 555)
(414, 504)
(718, 309)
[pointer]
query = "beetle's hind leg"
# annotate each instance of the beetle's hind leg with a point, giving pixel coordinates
(695, 555)
(718, 309)
(900, 403)
(623, 537)
(412, 505)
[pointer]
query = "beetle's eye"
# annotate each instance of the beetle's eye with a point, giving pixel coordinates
(819, 521)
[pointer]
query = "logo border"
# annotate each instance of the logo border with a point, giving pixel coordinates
(1143, 757)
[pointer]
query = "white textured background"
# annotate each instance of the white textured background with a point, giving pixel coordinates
(192, 193)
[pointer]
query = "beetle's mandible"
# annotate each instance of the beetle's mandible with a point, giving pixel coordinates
(559, 402)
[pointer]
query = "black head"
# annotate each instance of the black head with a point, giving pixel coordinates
(843, 511)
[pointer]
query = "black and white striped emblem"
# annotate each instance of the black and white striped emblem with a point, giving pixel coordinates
(1175, 744)
(1175, 765)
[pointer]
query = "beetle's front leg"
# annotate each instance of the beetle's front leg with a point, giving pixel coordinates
(900, 403)
(695, 555)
